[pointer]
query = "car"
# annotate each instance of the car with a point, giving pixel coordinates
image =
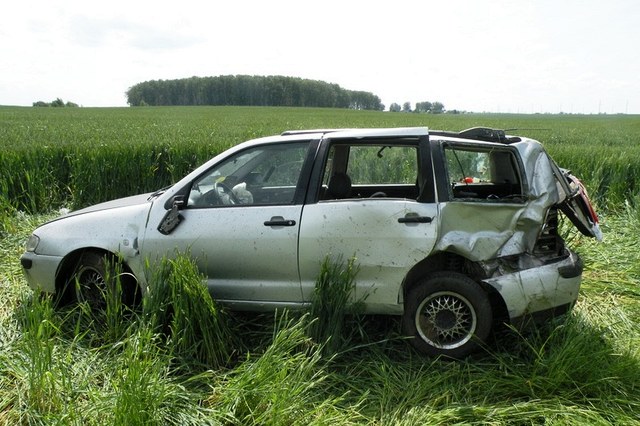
(453, 231)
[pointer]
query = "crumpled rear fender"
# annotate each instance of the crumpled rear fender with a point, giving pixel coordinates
(540, 288)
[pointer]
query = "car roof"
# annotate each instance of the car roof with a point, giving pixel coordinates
(365, 132)
(484, 134)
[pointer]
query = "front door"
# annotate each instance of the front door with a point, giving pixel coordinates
(241, 224)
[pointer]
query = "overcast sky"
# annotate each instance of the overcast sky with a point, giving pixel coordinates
(574, 56)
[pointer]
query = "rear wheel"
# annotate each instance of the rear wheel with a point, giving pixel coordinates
(447, 314)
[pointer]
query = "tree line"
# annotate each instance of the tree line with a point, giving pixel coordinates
(425, 107)
(57, 103)
(250, 90)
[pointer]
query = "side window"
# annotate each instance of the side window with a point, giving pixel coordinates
(371, 170)
(483, 174)
(263, 175)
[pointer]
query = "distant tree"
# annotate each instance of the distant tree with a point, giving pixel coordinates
(425, 106)
(437, 108)
(57, 103)
(406, 107)
(394, 107)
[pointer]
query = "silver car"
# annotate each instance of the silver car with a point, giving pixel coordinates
(454, 231)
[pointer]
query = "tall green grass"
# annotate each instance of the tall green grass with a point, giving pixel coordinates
(51, 157)
(179, 306)
(333, 305)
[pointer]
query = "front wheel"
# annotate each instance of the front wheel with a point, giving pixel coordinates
(447, 314)
(99, 278)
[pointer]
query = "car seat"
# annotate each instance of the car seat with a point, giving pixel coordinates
(339, 186)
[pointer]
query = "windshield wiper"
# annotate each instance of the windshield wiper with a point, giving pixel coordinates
(158, 192)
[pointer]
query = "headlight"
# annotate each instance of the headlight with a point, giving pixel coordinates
(32, 242)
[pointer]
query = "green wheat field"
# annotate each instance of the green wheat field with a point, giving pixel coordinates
(203, 365)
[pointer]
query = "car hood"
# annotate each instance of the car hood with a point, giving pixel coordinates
(114, 204)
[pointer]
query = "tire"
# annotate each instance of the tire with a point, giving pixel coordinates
(447, 314)
(97, 277)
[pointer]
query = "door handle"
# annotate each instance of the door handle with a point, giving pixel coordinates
(415, 218)
(279, 221)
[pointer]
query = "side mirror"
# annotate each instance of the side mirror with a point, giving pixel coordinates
(173, 217)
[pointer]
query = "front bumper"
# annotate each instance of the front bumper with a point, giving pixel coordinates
(40, 270)
(540, 289)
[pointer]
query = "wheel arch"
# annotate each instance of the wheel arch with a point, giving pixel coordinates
(70, 263)
(447, 261)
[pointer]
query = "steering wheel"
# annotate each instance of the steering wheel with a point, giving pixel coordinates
(213, 197)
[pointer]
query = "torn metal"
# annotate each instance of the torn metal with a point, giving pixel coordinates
(482, 231)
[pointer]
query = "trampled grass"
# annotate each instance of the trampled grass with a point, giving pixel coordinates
(60, 367)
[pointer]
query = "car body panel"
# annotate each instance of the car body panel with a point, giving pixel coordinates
(242, 258)
(115, 230)
(483, 231)
(538, 289)
(368, 230)
(40, 276)
(571, 194)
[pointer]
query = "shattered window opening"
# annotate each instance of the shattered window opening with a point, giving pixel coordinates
(483, 175)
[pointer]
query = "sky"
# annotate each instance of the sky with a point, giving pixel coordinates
(513, 56)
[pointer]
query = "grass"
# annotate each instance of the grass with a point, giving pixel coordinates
(182, 360)
(333, 305)
(53, 157)
(62, 367)
(179, 307)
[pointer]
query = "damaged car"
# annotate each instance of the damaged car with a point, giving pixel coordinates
(455, 232)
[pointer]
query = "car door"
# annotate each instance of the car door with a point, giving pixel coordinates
(374, 217)
(241, 224)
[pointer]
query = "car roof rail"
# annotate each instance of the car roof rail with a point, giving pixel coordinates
(308, 131)
(372, 132)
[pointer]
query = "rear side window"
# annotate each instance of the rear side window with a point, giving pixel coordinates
(483, 174)
(371, 170)
(373, 165)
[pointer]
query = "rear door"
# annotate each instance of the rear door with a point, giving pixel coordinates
(379, 213)
(577, 205)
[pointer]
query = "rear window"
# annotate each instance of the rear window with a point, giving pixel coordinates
(368, 170)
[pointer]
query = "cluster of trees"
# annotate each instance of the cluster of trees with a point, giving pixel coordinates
(57, 103)
(250, 90)
(425, 107)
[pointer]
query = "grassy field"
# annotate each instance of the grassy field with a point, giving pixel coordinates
(76, 156)
(207, 366)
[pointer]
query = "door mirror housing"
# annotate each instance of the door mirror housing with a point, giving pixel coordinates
(173, 217)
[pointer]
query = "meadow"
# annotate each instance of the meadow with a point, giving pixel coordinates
(208, 366)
